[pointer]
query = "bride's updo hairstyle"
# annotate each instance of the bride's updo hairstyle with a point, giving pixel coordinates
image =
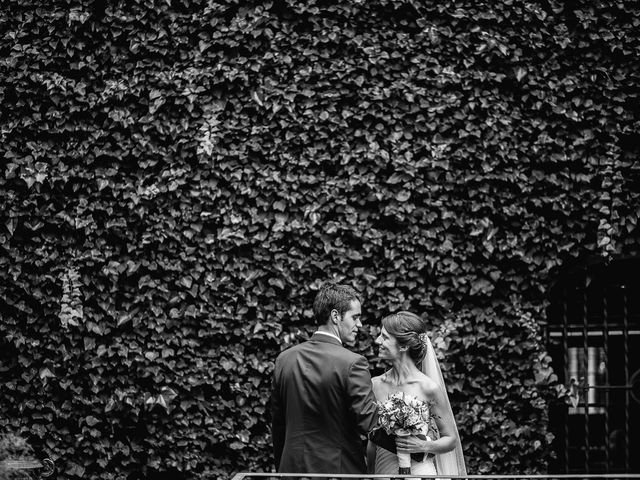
(408, 329)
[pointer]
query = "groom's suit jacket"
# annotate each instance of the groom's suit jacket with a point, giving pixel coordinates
(322, 404)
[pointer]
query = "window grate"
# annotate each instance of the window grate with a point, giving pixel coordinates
(593, 335)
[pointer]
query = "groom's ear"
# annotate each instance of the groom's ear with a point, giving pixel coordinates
(335, 316)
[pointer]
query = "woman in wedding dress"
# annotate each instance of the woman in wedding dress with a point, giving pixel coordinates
(415, 371)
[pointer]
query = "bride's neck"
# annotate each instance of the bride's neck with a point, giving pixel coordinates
(402, 369)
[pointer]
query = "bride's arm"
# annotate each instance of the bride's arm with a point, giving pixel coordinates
(445, 423)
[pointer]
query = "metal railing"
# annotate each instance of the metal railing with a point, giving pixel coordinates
(274, 476)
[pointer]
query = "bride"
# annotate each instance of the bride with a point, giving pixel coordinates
(415, 371)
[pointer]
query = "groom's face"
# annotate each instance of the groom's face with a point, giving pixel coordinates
(350, 323)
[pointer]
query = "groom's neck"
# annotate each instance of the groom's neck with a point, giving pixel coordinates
(329, 331)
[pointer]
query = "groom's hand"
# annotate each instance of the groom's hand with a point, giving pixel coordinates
(412, 444)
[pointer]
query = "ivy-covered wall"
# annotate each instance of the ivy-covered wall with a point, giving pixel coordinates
(178, 177)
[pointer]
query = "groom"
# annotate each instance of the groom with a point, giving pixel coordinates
(322, 400)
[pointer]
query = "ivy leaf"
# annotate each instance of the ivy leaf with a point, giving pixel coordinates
(46, 373)
(520, 73)
(91, 421)
(403, 195)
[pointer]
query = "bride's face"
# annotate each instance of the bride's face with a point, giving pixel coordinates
(389, 348)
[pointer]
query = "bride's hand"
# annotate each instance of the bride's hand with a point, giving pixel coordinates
(412, 444)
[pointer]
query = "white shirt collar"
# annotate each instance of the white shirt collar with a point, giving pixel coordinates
(320, 332)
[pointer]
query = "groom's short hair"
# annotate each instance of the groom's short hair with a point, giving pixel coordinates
(333, 296)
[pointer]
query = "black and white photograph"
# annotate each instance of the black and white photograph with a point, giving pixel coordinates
(319, 239)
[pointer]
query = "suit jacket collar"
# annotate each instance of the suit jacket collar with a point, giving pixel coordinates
(325, 339)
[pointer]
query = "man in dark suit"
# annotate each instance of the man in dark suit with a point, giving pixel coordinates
(322, 402)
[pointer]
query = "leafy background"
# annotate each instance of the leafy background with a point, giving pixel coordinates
(179, 177)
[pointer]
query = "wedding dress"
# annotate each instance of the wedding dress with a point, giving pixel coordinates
(387, 463)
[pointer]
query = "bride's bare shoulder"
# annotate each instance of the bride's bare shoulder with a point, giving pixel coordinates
(377, 385)
(377, 380)
(429, 387)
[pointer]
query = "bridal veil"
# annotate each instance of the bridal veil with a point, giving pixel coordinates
(450, 463)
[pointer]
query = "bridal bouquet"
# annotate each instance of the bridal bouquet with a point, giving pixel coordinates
(402, 415)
